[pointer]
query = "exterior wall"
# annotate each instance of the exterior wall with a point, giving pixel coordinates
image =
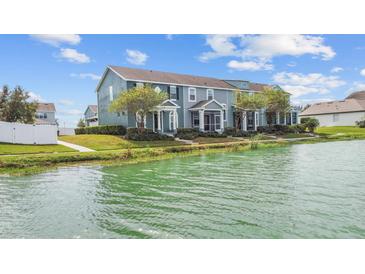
(51, 117)
(17, 133)
(344, 119)
(119, 85)
(222, 96)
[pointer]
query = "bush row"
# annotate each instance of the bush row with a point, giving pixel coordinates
(146, 135)
(192, 133)
(231, 131)
(109, 130)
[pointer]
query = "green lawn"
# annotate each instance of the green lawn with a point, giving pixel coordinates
(294, 135)
(333, 132)
(7, 149)
(212, 140)
(109, 142)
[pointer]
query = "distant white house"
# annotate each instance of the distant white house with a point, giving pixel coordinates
(45, 114)
(338, 113)
(91, 115)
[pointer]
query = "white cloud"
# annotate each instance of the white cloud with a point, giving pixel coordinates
(362, 72)
(91, 76)
(66, 102)
(263, 48)
(356, 86)
(136, 57)
(58, 39)
(35, 97)
(249, 65)
(291, 64)
(73, 56)
(303, 102)
(336, 69)
(299, 84)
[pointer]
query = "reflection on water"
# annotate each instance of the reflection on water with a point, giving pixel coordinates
(300, 191)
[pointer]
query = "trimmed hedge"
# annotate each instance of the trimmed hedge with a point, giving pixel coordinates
(231, 131)
(192, 133)
(275, 129)
(361, 124)
(108, 130)
(147, 135)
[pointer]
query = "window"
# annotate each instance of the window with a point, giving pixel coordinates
(111, 93)
(195, 119)
(173, 93)
(335, 117)
(139, 85)
(41, 115)
(192, 94)
(210, 94)
(224, 112)
(157, 89)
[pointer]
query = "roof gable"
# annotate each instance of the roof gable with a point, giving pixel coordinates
(46, 107)
(347, 105)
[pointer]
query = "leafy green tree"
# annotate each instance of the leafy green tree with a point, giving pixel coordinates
(276, 101)
(139, 101)
(16, 106)
(246, 102)
(81, 123)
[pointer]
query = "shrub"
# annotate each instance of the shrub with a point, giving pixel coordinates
(212, 134)
(147, 135)
(230, 131)
(304, 120)
(311, 124)
(108, 130)
(187, 133)
(361, 123)
(299, 128)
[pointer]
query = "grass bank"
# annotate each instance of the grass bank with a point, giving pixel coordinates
(7, 149)
(30, 164)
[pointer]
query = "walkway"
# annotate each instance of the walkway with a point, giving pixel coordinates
(76, 147)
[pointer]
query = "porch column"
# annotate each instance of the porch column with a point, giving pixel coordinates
(222, 121)
(159, 121)
(244, 121)
(201, 120)
(278, 118)
(174, 118)
(256, 120)
(284, 118)
(291, 117)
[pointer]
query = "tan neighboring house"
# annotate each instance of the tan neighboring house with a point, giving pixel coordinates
(91, 115)
(338, 113)
(46, 114)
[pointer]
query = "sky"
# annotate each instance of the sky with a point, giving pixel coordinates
(65, 69)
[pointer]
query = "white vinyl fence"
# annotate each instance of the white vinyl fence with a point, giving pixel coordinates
(17, 133)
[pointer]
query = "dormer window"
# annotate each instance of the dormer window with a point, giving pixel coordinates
(210, 94)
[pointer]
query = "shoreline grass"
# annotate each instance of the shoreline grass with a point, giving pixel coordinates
(32, 164)
(13, 149)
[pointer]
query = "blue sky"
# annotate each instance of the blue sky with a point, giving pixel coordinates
(65, 69)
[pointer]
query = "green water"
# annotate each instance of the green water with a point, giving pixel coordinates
(299, 191)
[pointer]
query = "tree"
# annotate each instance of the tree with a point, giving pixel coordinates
(81, 123)
(246, 102)
(16, 106)
(276, 101)
(311, 124)
(139, 101)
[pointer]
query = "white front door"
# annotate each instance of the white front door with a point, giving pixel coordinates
(217, 120)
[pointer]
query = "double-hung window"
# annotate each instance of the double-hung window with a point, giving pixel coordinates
(210, 94)
(173, 93)
(195, 119)
(192, 94)
(335, 117)
(224, 112)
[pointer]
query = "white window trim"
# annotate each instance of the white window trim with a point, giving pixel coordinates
(210, 90)
(225, 109)
(175, 93)
(138, 84)
(111, 95)
(190, 90)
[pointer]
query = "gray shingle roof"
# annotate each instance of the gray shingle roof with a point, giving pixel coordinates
(46, 107)
(170, 78)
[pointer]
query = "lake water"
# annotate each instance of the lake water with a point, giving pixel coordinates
(298, 191)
